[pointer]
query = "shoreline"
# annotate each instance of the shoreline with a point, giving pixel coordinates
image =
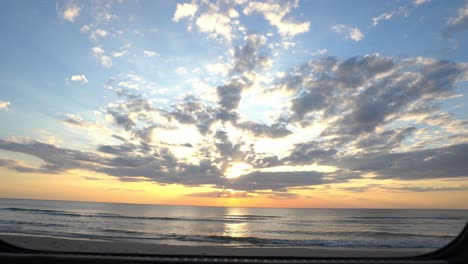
(247, 207)
(50, 243)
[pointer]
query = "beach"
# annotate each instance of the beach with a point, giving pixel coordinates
(89, 246)
(164, 229)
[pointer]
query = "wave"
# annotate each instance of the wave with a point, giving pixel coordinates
(251, 217)
(16, 222)
(378, 234)
(250, 241)
(410, 217)
(226, 219)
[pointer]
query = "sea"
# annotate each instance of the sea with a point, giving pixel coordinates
(233, 227)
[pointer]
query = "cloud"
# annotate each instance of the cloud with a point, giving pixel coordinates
(349, 32)
(80, 78)
(56, 159)
(228, 151)
(92, 178)
(245, 194)
(160, 166)
(150, 53)
(389, 15)
(99, 54)
(184, 10)
(193, 111)
(444, 162)
(125, 189)
(71, 12)
(275, 14)
(276, 130)
(218, 68)
(359, 94)
(396, 92)
(276, 181)
(119, 54)
(309, 153)
(215, 23)
(247, 57)
(402, 188)
(384, 16)
(230, 94)
(220, 19)
(458, 23)
(420, 2)
(319, 52)
(221, 194)
(98, 33)
(383, 141)
(4, 105)
(425, 189)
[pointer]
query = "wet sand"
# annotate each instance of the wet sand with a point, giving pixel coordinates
(93, 246)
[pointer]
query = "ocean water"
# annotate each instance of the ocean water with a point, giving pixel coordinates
(233, 227)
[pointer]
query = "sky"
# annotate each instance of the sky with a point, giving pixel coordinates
(330, 104)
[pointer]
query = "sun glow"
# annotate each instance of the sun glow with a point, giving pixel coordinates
(237, 169)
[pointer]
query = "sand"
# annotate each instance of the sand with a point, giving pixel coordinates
(92, 246)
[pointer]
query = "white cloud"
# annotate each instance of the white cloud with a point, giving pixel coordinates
(99, 53)
(217, 68)
(458, 23)
(119, 54)
(216, 24)
(181, 71)
(384, 16)
(81, 79)
(85, 28)
(98, 33)
(288, 44)
(274, 13)
(420, 2)
(389, 15)
(71, 12)
(232, 13)
(349, 32)
(106, 61)
(150, 53)
(4, 105)
(319, 52)
(97, 50)
(184, 10)
(462, 16)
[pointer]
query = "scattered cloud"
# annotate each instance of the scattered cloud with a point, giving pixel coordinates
(119, 54)
(80, 78)
(150, 53)
(4, 105)
(215, 24)
(458, 23)
(99, 54)
(384, 16)
(445, 162)
(389, 15)
(220, 20)
(319, 52)
(185, 10)
(349, 32)
(98, 33)
(420, 2)
(275, 14)
(71, 12)
(221, 194)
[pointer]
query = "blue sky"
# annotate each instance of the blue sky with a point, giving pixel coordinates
(234, 89)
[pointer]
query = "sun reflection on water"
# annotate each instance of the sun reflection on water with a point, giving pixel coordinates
(234, 228)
